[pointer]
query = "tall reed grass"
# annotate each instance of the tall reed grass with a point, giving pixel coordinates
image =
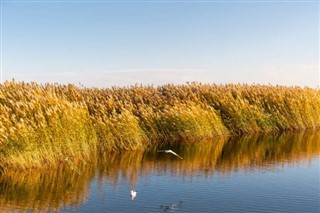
(51, 123)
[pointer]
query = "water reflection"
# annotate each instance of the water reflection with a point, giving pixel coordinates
(172, 207)
(53, 190)
(46, 190)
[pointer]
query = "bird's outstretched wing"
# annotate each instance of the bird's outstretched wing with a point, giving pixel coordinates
(172, 152)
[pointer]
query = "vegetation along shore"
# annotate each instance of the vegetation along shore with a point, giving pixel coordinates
(49, 124)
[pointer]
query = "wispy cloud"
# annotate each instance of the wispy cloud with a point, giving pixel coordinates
(122, 77)
(300, 75)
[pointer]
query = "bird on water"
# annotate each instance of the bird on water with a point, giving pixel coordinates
(170, 151)
(133, 194)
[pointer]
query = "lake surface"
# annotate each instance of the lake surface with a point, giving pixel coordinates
(274, 173)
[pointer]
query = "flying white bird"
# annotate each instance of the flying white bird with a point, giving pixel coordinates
(133, 194)
(170, 151)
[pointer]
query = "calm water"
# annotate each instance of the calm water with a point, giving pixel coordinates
(249, 174)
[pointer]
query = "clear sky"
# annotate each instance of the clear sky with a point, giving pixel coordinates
(104, 43)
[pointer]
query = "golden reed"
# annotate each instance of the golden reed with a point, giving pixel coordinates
(49, 124)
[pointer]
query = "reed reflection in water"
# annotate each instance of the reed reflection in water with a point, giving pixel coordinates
(69, 187)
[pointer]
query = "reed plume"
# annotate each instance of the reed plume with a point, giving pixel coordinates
(47, 124)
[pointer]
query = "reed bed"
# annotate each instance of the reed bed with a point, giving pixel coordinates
(48, 124)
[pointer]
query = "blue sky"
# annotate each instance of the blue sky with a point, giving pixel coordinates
(104, 43)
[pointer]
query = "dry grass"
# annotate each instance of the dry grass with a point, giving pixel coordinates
(47, 124)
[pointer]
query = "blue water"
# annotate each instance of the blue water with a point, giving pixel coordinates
(272, 173)
(284, 188)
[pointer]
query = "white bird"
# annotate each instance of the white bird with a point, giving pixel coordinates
(170, 151)
(133, 194)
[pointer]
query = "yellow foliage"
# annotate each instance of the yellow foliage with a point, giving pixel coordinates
(45, 124)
